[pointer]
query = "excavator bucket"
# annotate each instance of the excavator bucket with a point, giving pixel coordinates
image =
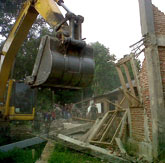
(67, 65)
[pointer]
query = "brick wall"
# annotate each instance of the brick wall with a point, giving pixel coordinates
(137, 114)
(159, 22)
(145, 95)
(137, 117)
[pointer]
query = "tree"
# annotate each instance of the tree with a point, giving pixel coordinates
(106, 77)
(24, 62)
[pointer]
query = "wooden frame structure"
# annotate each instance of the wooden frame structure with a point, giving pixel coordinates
(129, 92)
(104, 133)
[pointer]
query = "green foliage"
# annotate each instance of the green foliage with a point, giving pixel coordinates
(17, 156)
(22, 155)
(68, 96)
(25, 59)
(106, 77)
(65, 155)
(44, 99)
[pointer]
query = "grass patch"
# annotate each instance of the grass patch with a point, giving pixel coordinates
(22, 155)
(65, 155)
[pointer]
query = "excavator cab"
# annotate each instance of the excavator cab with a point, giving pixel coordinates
(64, 61)
(20, 101)
(23, 98)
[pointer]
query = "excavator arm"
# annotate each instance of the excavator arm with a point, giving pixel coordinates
(63, 61)
(49, 10)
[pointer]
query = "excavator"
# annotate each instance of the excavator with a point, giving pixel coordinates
(64, 61)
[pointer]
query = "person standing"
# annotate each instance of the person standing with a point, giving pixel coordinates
(94, 111)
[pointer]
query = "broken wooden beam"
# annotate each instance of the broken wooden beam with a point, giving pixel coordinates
(99, 126)
(118, 106)
(123, 118)
(120, 145)
(108, 126)
(87, 137)
(123, 60)
(100, 143)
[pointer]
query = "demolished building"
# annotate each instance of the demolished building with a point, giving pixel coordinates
(138, 126)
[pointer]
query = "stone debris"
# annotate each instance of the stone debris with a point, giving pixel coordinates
(75, 135)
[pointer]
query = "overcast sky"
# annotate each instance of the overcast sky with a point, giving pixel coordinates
(114, 23)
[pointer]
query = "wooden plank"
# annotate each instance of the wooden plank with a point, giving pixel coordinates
(123, 84)
(135, 72)
(104, 127)
(134, 97)
(99, 126)
(86, 137)
(108, 127)
(121, 102)
(126, 95)
(118, 106)
(123, 60)
(121, 77)
(129, 79)
(47, 152)
(100, 143)
(129, 123)
(122, 126)
(135, 101)
(120, 145)
(89, 149)
(118, 127)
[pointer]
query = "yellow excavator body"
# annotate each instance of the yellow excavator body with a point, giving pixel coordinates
(64, 61)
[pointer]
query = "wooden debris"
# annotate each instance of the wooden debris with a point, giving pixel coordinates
(100, 143)
(108, 126)
(129, 92)
(87, 137)
(120, 145)
(115, 134)
(135, 72)
(46, 152)
(118, 106)
(99, 126)
(123, 123)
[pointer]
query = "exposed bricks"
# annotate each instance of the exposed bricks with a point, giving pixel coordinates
(136, 114)
(159, 21)
(146, 98)
(162, 64)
